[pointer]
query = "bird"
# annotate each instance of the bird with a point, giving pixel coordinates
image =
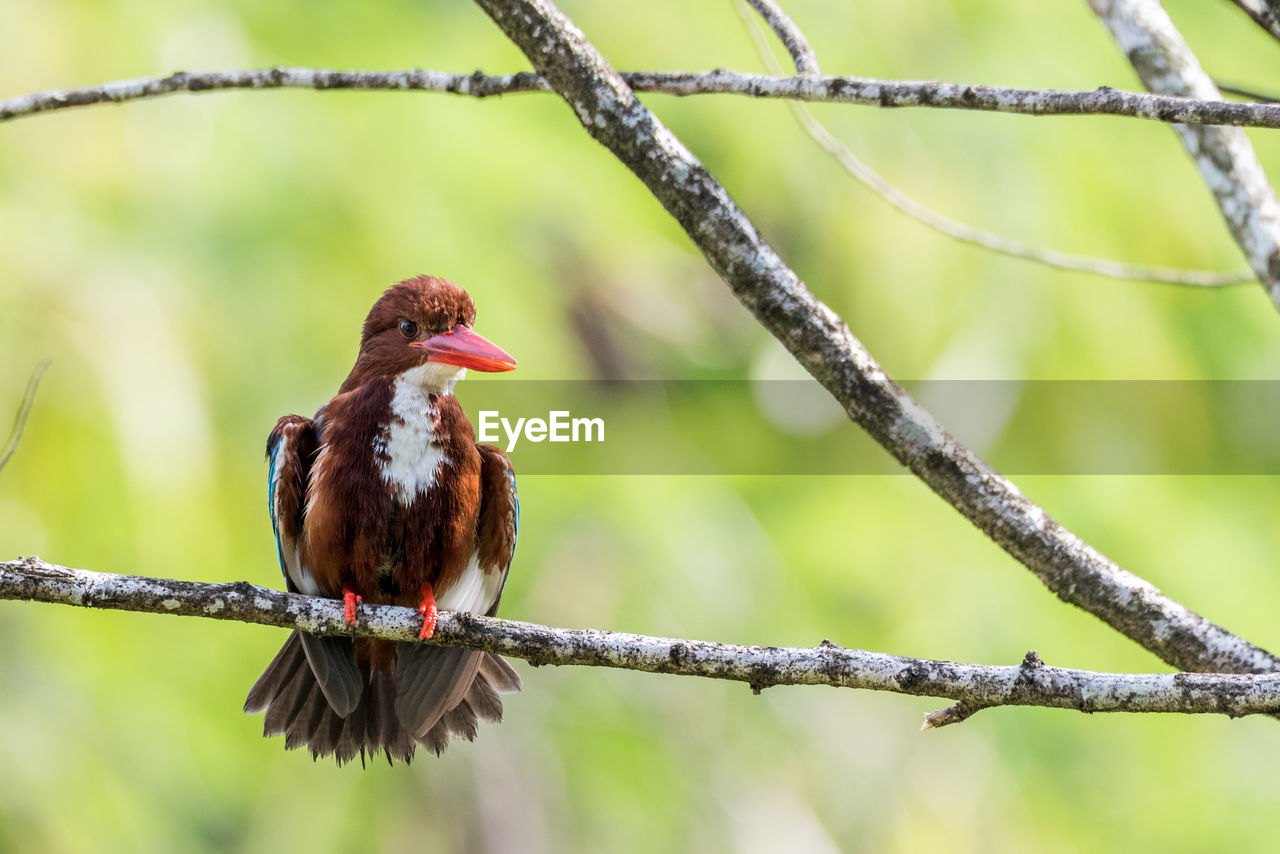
(385, 497)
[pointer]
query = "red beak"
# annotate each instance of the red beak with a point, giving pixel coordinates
(464, 348)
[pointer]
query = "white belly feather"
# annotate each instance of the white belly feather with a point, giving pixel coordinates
(475, 592)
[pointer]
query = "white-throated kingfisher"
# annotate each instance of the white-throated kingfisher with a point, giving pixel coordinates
(385, 497)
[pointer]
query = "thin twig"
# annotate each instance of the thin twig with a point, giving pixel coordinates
(836, 89)
(1250, 94)
(948, 227)
(973, 686)
(1224, 156)
(24, 409)
(1263, 14)
(822, 343)
(791, 36)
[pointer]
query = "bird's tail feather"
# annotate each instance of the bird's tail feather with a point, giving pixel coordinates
(333, 661)
(443, 691)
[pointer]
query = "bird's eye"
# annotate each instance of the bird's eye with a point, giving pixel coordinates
(409, 329)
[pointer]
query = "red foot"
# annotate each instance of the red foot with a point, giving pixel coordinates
(349, 602)
(428, 611)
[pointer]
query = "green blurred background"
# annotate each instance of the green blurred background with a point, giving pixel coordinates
(199, 265)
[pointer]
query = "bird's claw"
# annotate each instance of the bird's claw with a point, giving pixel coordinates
(428, 611)
(350, 601)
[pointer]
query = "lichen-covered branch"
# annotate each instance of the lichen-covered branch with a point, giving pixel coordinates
(822, 343)
(972, 686)
(1224, 156)
(839, 89)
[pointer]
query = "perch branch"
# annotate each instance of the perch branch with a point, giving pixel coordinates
(822, 343)
(972, 686)
(926, 216)
(1224, 156)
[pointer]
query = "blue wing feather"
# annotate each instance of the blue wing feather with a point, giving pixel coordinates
(274, 444)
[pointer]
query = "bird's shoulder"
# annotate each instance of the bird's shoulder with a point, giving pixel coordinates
(287, 429)
(494, 458)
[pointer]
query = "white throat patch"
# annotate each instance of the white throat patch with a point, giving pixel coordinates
(409, 450)
(432, 377)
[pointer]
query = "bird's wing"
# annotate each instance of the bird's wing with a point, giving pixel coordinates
(499, 522)
(291, 449)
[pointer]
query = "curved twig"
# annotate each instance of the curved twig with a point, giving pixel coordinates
(973, 686)
(956, 230)
(24, 409)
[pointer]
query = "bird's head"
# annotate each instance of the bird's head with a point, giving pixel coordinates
(421, 329)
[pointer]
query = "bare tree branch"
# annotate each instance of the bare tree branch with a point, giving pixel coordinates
(864, 91)
(24, 409)
(1224, 156)
(822, 343)
(1263, 13)
(973, 686)
(876, 183)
